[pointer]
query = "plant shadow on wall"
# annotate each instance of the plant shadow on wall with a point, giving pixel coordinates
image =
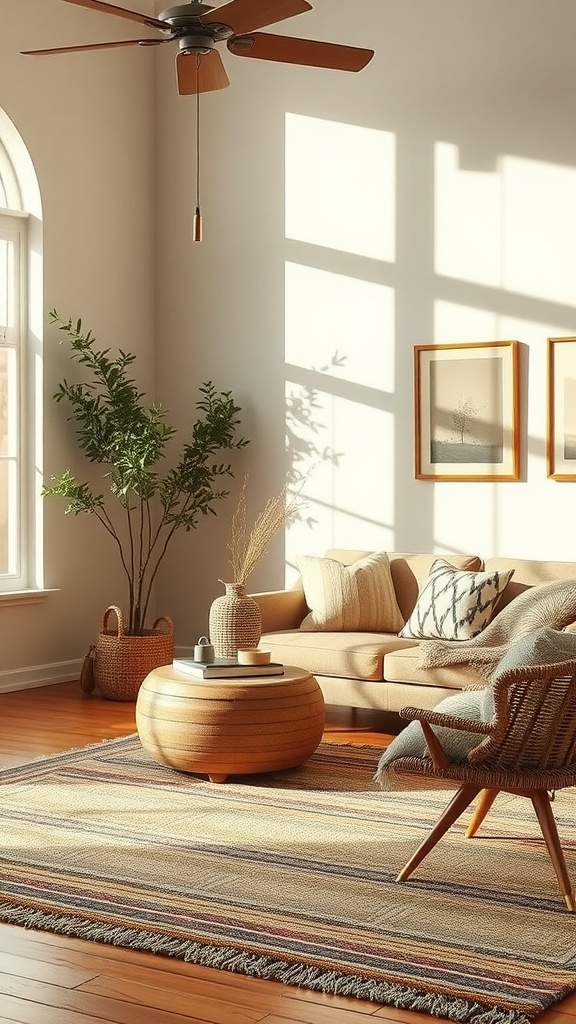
(129, 439)
(303, 428)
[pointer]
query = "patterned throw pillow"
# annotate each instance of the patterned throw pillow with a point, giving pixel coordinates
(455, 605)
(353, 597)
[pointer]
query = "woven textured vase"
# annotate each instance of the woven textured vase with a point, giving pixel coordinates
(234, 621)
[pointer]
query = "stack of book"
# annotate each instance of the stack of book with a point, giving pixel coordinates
(225, 668)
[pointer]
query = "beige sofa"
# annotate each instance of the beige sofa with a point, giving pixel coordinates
(380, 670)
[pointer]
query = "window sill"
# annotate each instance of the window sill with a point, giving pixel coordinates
(25, 596)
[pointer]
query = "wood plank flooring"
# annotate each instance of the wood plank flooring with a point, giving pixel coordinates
(51, 979)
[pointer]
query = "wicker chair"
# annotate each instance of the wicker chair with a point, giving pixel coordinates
(529, 748)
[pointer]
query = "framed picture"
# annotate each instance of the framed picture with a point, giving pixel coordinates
(467, 411)
(561, 440)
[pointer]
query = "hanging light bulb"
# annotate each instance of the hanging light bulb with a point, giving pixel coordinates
(197, 223)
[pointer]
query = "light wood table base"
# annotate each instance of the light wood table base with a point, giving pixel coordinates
(221, 727)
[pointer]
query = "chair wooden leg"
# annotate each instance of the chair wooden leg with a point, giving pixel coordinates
(483, 805)
(541, 803)
(457, 805)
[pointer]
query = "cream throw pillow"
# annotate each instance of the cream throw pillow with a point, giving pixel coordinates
(349, 597)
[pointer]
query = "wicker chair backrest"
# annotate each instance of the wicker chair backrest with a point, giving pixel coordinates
(534, 727)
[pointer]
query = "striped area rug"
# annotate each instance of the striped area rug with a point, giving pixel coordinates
(290, 876)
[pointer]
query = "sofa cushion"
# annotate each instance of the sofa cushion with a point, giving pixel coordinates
(475, 705)
(402, 665)
(349, 597)
(455, 605)
(355, 655)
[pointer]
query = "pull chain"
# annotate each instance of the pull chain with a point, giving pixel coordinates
(197, 228)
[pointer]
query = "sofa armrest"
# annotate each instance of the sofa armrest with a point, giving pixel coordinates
(281, 609)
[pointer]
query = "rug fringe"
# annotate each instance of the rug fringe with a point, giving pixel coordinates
(263, 967)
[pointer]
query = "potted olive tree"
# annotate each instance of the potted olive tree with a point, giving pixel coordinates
(146, 496)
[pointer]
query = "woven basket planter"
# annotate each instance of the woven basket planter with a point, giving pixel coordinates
(122, 661)
(235, 621)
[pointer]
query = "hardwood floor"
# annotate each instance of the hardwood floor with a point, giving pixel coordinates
(50, 979)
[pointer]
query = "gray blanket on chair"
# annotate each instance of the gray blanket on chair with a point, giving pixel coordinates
(547, 604)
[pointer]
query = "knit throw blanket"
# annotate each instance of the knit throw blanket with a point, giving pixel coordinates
(547, 604)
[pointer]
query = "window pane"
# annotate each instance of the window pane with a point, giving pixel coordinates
(8, 402)
(6, 282)
(7, 516)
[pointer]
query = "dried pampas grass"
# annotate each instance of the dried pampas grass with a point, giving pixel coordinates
(247, 550)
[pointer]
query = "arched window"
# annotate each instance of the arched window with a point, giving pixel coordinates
(20, 369)
(10, 194)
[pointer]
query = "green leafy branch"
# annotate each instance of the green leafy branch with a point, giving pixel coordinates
(118, 431)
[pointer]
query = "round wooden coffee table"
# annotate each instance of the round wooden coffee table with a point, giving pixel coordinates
(234, 726)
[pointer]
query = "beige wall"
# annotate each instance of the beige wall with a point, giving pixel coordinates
(430, 198)
(88, 122)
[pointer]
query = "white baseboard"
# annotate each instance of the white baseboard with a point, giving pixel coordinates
(59, 672)
(39, 675)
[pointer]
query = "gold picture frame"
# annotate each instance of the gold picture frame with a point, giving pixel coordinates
(466, 402)
(561, 438)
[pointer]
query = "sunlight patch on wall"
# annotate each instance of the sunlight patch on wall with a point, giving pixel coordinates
(539, 230)
(509, 521)
(451, 521)
(456, 323)
(330, 315)
(340, 186)
(513, 228)
(467, 220)
(349, 491)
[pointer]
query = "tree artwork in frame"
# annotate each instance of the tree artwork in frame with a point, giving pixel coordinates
(467, 411)
(561, 440)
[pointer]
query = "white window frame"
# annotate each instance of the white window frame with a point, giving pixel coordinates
(9, 184)
(20, 191)
(13, 228)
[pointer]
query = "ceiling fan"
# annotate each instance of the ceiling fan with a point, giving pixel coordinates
(198, 28)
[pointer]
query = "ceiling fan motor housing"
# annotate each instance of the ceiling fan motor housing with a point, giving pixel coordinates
(185, 13)
(195, 44)
(193, 36)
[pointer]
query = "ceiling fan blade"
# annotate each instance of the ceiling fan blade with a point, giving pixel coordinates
(248, 15)
(208, 76)
(95, 46)
(288, 50)
(120, 12)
